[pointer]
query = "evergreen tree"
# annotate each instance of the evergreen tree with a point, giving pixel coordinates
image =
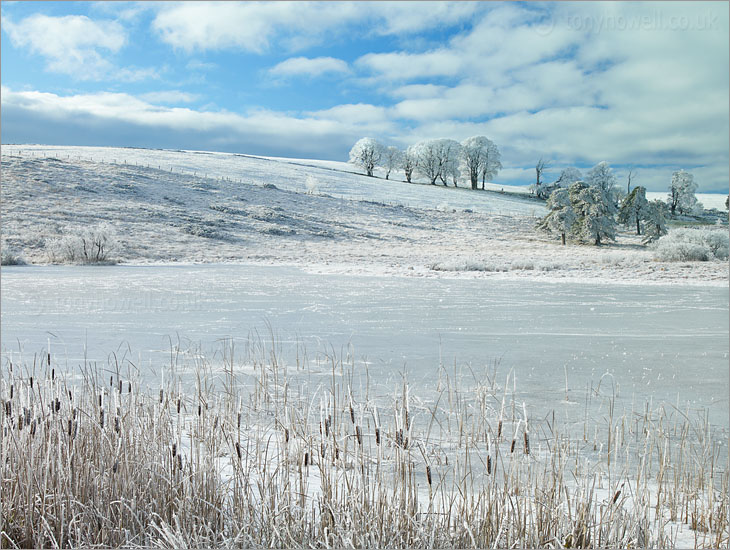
(561, 217)
(634, 208)
(655, 223)
(594, 214)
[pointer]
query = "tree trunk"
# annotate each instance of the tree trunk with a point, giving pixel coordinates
(638, 226)
(562, 236)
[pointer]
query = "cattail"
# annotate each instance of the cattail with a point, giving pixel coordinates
(20, 422)
(358, 433)
(178, 405)
(174, 449)
(8, 408)
(27, 414)
(489, 465)
(53, 374)
(615, 497)
(377, 435)
(286, 435)
(129, 387)
(58, 404)
(200, 410)
(322, 449)
(120, 385)
(352, 414)
(31, 382)
(512, 447)
(162, 393)
(327, 424)
(179, 462)
(49, 358)
(238, 450)
(100, 399)
(306, 460)
(117, 424)
(111, 381)
(70, 424)
(101, 418)
(428, 475)
(116, 465)
(32, 428)
(238, 420)
(527, 443)
(11, 391)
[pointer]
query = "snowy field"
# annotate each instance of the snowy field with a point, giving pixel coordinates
(190, 207)
(279, 272)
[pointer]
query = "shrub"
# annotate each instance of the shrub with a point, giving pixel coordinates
(93, 245)
(10, 256)
(692, 245)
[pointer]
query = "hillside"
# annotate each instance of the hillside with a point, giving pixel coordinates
(175, 206)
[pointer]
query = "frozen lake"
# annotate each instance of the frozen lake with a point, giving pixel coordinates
(664, 343)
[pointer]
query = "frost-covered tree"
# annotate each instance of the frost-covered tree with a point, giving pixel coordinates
(568, 177)
(682, 193)
(435, 158)
(655, 224)
(480, 157)
(634, 208)
(410, 162)
(366, 154)
(392, 159)
(601, 177)
(427, 160)
(449, 152)
(492, 163)
(594, 216)
(561, 217)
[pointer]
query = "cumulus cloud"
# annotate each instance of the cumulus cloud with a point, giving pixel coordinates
(256, 26)
(76, 45)
(312, 67)
(70, 44)
(121, 119)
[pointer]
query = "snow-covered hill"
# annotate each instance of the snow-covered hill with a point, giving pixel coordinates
(175, 206)
(337, 179)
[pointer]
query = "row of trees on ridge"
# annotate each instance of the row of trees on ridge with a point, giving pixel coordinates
(443, 160)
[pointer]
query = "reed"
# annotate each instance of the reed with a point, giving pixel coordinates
(216, 458)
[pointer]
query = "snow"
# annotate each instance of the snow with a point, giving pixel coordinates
(664, 342)
(190, 207)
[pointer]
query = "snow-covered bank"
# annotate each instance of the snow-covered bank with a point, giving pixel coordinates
(174, 206)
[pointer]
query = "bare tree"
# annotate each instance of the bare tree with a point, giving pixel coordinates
(366, 153)
(540, 168)
(392, 158)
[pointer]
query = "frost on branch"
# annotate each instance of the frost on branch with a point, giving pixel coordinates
(366, 154)
(92, 245)
(561, 217)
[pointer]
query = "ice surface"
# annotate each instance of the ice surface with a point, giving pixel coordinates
(667, 343)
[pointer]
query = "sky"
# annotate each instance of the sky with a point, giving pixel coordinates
(644, 86)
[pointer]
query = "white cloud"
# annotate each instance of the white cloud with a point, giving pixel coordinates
(70, 44)
(76, 45)
(256, 26)
(304, 66)
(169, 96)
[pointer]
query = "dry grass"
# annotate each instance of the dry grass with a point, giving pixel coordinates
(304, 459)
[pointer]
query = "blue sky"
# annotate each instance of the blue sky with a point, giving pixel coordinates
(641, 85)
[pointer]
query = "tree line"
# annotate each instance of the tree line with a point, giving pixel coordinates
(444, 160)
(589, 209)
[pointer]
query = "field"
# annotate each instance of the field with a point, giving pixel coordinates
(283, 353)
